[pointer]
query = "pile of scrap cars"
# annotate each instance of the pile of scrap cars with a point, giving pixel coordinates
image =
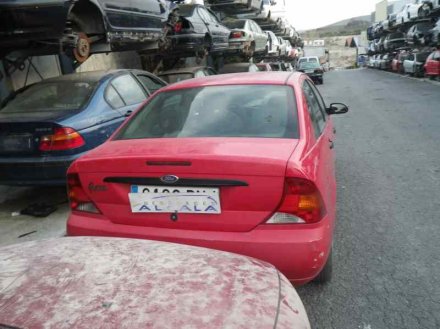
(246, 176)
(408, 42)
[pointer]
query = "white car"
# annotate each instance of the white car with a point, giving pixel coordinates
(263, 14)
(414, 63)
(246, 37)
(273, 44)
(409, 12)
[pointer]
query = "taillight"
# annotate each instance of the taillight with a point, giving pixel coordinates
(237, 35)
(62, 139)
(178, 27)
(78, 198)
(301, 203)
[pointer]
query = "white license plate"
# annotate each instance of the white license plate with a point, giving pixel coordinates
(309, 71)
(186, 200)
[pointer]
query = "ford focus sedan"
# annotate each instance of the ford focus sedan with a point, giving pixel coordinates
(240, 162)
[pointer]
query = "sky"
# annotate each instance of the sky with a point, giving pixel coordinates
(310, 14)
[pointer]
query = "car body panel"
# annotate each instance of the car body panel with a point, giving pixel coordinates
(138, 284)
(28, 23)
(310, 157)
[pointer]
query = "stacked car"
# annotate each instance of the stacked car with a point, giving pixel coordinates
(405, 40)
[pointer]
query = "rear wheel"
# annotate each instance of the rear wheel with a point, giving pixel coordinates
(327, 272)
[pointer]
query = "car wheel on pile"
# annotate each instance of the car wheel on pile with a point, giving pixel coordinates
(82, 48)
(327, 272)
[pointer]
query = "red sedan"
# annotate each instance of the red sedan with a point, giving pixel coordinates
(432, 65)
(241, 163)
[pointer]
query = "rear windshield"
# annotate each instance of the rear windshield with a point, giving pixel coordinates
(52, 96)
(235, 24)
(172, 78)
(309, 65)
(259, 111)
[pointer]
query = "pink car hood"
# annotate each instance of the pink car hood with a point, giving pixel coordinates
(91, 282)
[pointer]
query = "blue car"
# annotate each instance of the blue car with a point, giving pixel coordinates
(46, 126)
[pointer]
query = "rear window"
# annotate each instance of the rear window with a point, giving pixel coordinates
(52, 96)
(259, 111)
(173, 78)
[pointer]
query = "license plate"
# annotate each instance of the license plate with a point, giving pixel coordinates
(309, 71)
(186, 200)
(16, 143)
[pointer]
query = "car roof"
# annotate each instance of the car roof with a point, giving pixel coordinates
(250, 78)
(183, 70)
(96, 279)
(91, 76)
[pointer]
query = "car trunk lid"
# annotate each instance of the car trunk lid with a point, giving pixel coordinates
(248, 173)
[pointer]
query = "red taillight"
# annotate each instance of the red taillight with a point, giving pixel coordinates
(178, 27)
(301, 203)
(78, 198)
(62, 139)
(237, 35)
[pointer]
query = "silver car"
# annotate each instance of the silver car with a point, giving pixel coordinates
(246, 37)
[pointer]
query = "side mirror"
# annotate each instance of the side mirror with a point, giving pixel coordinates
(337, 108)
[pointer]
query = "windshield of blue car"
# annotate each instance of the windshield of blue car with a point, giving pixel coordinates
(52, 96)
(251, 111)
(235, 24)
(309, 65)
(176, 77)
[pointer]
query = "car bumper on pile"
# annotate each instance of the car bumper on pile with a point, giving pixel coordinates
(298, 251)
(187, 42)
(35, 171)
(239, 46)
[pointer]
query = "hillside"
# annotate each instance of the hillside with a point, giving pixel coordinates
(351, 26)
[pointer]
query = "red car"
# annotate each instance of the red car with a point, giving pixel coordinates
(90, 282)
(240, 162)
(432, 65)
(397, 62)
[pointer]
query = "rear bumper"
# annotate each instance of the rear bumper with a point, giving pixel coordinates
(37, 171)
(187, 43)
(298, 251)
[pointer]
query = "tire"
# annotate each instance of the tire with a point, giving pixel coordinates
(326, 273)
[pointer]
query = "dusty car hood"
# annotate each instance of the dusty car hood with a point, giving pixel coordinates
(91, 282)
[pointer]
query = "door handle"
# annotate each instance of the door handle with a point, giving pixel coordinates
(128, 113)
(331, 144)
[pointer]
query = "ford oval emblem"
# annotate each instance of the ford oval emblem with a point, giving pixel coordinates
(169, 179)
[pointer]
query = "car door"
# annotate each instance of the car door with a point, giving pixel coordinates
(118, 13)
(321, 154)
(125, 94)
(220, 39)
(146, 14)
(259, 37)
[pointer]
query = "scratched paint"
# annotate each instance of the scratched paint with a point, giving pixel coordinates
(90, 282)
